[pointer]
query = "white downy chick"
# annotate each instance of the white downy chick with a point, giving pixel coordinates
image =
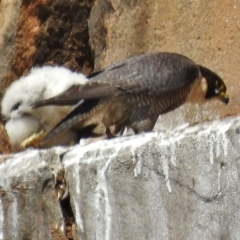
(40, 83)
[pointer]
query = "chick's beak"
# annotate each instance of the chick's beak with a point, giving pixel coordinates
(224, 98)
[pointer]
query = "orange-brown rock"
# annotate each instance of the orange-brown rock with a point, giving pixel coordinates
(9, 12)
(5, 146)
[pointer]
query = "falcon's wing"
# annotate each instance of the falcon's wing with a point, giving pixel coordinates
(154, 73)
(71, 118)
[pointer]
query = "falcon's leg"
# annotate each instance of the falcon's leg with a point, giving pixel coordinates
(116, 117)
(143, 121)
(145, 125)
(115, 129)
(109, 134)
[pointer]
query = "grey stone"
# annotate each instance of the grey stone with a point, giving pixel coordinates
(29, 208)
(177, 184)
(172, 185)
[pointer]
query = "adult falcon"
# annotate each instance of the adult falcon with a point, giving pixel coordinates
(134, 92)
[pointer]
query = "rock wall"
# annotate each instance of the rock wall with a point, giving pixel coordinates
(9, 11)
(176, 185)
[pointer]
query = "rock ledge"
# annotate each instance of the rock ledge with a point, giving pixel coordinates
(182, 184)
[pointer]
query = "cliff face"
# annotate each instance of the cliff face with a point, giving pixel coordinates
(169, 184)
(176, 185)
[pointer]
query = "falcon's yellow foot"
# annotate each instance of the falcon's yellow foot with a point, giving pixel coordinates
(34, 140)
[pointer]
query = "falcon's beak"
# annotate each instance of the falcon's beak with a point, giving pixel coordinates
(224, 97)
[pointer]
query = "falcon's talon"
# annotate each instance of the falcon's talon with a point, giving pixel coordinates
(34, 140)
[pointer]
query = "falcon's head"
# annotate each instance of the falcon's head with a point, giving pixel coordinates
(216, 88)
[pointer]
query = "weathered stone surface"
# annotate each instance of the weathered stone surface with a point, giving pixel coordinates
(9, 12)
(182, 185)
(207, 32)
(161, 185)
(63, 37)
(29, 208)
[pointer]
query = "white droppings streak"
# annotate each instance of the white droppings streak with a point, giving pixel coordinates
(137, 152)
(165, 167)
(218, 144)
(14, 217)
(211, 148)
(138, 166)
(103, 188)
(219, 178)
(222, 139)
(137, 160)
(78, 217)
(1, 220)
(173, 155)
(225, 145)
(222, 144)
(167, 153)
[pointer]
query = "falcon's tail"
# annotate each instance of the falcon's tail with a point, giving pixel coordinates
(79, 113)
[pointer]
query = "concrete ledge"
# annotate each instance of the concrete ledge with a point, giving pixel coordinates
(182, 184)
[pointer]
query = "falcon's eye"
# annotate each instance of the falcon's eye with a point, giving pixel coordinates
(220, 87)
(16, 106)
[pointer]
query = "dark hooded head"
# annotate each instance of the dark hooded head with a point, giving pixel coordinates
(216, 88)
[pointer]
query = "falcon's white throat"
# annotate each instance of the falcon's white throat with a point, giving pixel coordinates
(204, 86)
(198, 91)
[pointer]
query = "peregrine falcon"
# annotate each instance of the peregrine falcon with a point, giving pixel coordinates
(41, 83)
(134, 92)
